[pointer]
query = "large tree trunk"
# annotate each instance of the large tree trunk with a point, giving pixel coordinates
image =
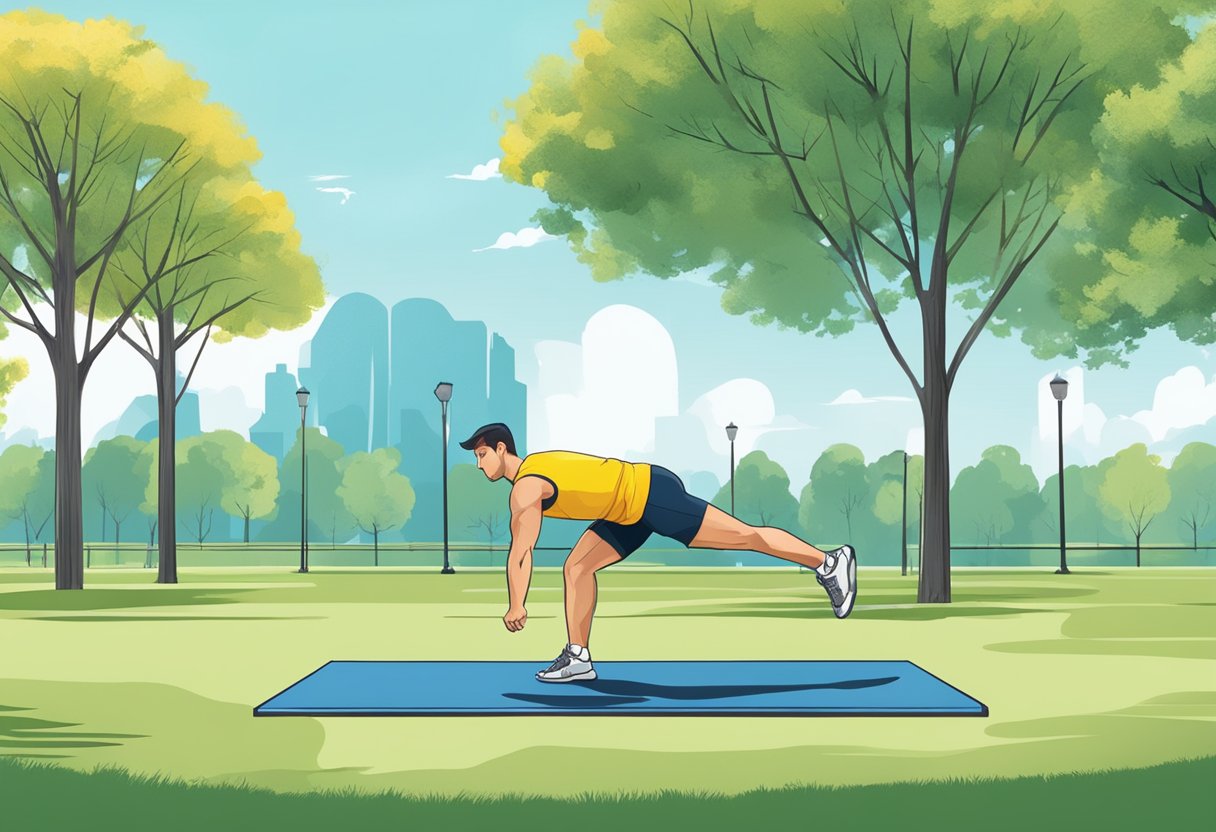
(166, 398)
(934, 583)
(69, 514)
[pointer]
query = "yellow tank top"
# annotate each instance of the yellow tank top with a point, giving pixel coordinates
(590, 487)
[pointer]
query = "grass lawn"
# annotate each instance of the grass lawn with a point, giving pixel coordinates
(1098, 670)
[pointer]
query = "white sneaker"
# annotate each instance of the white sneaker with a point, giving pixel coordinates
(841, 582)
(569, 667)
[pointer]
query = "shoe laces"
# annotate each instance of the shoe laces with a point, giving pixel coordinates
(832, 585)
(562, 660)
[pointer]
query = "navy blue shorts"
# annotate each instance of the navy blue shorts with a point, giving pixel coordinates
(670, 511)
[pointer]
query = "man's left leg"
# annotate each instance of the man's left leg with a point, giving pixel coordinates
(591, 554)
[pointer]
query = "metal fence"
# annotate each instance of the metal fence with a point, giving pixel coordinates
(474, 555)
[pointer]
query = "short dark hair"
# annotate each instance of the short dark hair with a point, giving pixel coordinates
(491, 435)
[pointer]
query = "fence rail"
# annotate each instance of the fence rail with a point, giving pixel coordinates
(424, 553)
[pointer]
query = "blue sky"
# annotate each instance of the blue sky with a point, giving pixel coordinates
(397, 97)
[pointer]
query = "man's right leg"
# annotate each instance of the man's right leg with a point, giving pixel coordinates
(839, 577)
(719, 530)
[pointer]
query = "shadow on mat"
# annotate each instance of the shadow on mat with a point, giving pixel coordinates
(624, 692)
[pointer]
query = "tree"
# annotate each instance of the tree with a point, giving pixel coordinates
(1086, 519)
(116, 473)
(97, 129)
(477, 504)
(1143, 224)
(918, 151)
(28, 474)
(224, 256)
(327, 514)
(762, 493)
(1192, 484)
(999, 495)
(251, 477)
(376, 495)
(838, 486)
(1135, 490)
(205, 476)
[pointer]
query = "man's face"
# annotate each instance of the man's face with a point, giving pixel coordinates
(491, 461)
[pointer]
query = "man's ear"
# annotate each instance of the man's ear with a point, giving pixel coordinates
(501, 447)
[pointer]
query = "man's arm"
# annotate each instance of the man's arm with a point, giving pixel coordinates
(526, 514)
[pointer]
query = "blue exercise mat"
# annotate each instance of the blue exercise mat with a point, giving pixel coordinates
(668, 688)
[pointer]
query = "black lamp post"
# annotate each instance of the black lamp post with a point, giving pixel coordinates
(443, 392)
(731, 432)
(302, 398)
(1059, 389)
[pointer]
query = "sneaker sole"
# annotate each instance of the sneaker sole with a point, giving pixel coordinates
(853, 584)
(577, 677)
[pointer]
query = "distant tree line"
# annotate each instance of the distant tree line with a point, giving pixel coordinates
(229, 490)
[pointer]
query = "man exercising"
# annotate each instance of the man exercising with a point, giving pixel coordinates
(628, 502)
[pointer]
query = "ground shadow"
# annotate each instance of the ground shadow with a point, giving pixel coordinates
(116, 599)
(625, 692)
(28, 732)
(921, 612)
(174, 618)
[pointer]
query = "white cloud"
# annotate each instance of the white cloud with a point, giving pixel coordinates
(854, 397)
(226, 409)
(347, 193)
(1182, 400)
(524, 238)
(327, 177)
(480, 172)
(602, 396)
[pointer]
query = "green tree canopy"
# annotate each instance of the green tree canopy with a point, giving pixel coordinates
(116, 475)
(836, 496)
(1192, 484)
(762, 494)
(832, 161)
(28, 493)
(203, 474)
(251, 477)
(376, 495)
(1135, 490)
(996, 500)
(477, 508)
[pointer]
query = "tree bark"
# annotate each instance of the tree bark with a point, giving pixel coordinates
(376, 544)
(934, 583)
(69, 517)
(166, 398)
(246, 528)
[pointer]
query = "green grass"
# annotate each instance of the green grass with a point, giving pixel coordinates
(1167, 796)
(1098, 670)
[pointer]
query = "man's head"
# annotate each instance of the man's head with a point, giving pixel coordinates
(491, 444)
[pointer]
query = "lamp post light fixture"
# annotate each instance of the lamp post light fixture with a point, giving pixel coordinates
(302, 398)
(443, 392)
(1059, 389)
(731, 432)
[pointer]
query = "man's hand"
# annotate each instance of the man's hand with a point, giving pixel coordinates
(515, 619)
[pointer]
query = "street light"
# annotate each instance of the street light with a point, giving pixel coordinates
(443, 392)
(731, 432)
(302, 398)
(1059, 389)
